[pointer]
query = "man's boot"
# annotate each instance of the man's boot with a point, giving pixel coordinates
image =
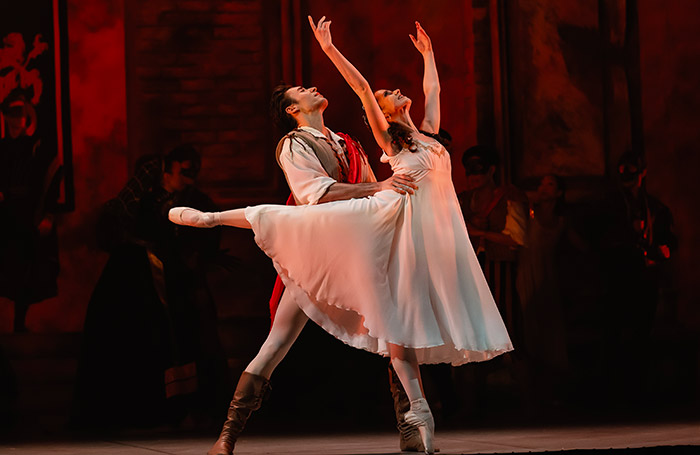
(247, 398)
(410, 440)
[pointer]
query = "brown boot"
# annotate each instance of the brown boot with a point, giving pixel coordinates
(247, 398)
(409, 435)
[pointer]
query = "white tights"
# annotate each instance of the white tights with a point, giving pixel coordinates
(235, 218)
(406, 366)
(289, 320)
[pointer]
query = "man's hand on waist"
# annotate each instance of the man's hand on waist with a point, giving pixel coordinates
(401, 183)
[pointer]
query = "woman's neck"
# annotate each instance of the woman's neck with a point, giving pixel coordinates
(404, 118)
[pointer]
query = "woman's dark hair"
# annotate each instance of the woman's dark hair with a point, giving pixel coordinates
(400, 135)
(442, 136)
(279, 101)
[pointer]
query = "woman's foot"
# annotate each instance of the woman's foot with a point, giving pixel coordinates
(193, 217)
(420, 416)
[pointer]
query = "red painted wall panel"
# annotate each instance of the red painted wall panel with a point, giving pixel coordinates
(98, 111)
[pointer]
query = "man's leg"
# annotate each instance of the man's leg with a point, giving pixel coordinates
(289, 321)
(254, 382)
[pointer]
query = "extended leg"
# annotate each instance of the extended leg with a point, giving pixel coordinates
(254, 382)
(235, 218)
(192, 217)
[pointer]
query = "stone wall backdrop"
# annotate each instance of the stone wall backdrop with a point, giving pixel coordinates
(587, 81)
(670, 76)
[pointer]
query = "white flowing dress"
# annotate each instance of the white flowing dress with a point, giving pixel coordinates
(389, 268)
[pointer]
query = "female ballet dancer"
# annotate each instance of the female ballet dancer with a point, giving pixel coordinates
(392, 274)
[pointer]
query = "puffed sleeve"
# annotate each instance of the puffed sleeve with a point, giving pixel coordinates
(307, 179)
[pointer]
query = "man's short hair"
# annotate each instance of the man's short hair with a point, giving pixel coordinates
(630, 158)
(488, 156)
(279, 101)
(180, 154)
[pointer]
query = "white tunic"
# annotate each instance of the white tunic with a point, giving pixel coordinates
(389, 268)
(307, 179)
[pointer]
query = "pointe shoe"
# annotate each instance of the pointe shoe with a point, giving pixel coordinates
(420, 416)
(192, 217)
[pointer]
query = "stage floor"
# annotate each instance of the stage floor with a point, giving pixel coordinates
(520, 440)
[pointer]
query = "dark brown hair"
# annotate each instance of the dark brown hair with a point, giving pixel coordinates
(279, 101)
(400, 134)
(401, 137)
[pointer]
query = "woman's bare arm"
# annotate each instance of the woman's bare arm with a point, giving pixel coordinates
(357, 82)
(431, 82)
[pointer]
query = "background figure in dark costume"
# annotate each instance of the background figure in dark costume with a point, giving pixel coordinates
(29, 188)
(538, 283)
(150, 351)
(637, 246)
(496, 217)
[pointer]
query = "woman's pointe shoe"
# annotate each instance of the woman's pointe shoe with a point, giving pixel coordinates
(420, 416)
(193, 217)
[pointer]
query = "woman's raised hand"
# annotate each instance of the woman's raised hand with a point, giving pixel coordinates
(421, 40)
(355, 80)
(322, 32)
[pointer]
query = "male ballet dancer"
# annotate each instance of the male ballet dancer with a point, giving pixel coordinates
(318, 165)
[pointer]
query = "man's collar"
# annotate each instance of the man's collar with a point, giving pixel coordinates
(320, 135)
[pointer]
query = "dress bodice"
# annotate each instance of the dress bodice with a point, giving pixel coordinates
(429, 156)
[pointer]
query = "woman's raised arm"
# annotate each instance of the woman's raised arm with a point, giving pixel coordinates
(431, 83)
(357, 82)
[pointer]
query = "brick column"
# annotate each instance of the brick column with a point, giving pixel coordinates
(199, 72)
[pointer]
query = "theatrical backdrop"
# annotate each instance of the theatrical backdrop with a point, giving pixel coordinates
(602, 94)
